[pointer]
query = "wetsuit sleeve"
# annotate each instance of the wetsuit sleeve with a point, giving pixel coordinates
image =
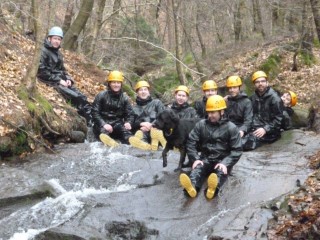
(192, 143)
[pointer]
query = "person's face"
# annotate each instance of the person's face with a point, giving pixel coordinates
(115, 86)
(55, 41)
(261, 84)
(286, 99)
(234, 91)
(181, 97)
(210, 92)
(215, 116)
(143, 92)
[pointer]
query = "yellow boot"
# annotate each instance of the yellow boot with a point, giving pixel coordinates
(108, 140)
(154, 144)
(212, 185)
(139, 134)
(138, 143)
(158, 134)
(187, 185)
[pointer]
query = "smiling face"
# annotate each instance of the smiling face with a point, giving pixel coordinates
(55, 41)
(115, 86)
(181, 97)
(261, 85)
(210, 92)
(286, 99)
(143, 92)
(234, 91)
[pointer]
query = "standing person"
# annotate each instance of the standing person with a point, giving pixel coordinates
(267, 114)
(112, 113)
(209, 88)
(52, 72)
(145, 113)
(239, 106)
(219, 143)
(181, 106)
(289, 100)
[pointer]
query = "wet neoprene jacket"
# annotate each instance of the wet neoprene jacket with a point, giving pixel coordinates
(51, 68)
(184, 110)
(110, 107)
(218, 142)
(200, 107)
(267, 111)
(146, 110)
(239, 111)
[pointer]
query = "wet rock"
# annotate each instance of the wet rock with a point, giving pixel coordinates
(299, 118)
(56, 235)
(129, 230)
(77, 137)
(314, 117)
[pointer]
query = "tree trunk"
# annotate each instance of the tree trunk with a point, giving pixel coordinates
(52, 12)
(68, 16)
(115, 18)
(77, 26)
(237, 21)
(29, 81)
(257, 19)
(97, 26)
(169, 25)
(182, 77)
(202, 44)
(316, 15)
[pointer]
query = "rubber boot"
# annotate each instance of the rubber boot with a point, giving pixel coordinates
(139, 134)
(138, 143)
(212, 185)
(108, 140)
(158, 134)
(154, 144)
(187, 185)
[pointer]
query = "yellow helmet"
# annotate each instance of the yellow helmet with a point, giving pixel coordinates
(234, 81)
(258, 74)
(182, 88)
(294, 98)
(215, 103)
(141, 84)
(209, 84)
(115, 76)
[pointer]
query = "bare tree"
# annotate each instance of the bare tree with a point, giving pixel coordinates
(68, 16)
(199, 33)
(315, 5)
(97, 26)
(115, 18)
(29, 81)
(257, 18)
(181, 75)
(78, 25)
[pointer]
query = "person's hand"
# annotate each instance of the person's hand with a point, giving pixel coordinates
(222, 168)
(108, 127)
(63, 83)
(196, 163)
(69, 83)
(127, 126)
(146, 125)
(259, 133)
(226, 98)
(241, 133)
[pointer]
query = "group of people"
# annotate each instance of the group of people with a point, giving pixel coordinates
(227, 125)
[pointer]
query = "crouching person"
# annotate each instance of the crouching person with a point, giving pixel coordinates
(219, 144)
(112, 113)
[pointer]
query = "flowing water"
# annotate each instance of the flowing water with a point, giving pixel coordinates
(89, 191)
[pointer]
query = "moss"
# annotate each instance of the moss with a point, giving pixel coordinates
(166, 82)
(21, 143)
(127, 88)
(307, 58)
(272, 65)
(188, 59)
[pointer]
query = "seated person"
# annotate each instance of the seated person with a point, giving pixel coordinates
(267, 114)
(239, 106)
(181, 106)
(52, 72)
(209, 88)
(289, 100)
(145, 112)
(112, 113)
